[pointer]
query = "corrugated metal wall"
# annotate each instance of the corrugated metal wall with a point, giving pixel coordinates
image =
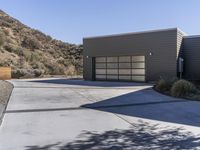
(191, 55)
(162, 45)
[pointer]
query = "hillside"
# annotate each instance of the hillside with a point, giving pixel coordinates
(31, 53)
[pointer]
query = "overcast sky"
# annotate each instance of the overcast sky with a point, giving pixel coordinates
(71, 20)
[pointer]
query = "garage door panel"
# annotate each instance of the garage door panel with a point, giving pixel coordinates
(112, 59)
(112, 65)
(138, 65)
(112, 71)
(130, 68)
(100, 59)
(138, 58)
(125, 65)
(100, 65)
(112, 77)
(125, 59)
(125, 71)
(138, 71)
(138, 78)
(124, 77)
(100, 71)
(101, 77)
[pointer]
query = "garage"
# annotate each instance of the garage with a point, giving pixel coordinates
(139, 56)
(121, 68)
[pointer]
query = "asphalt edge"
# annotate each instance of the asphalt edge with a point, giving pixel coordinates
(2, 113)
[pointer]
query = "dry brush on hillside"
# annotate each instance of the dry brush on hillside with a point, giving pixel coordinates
(31, 53)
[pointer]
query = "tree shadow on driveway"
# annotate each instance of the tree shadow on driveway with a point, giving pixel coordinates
(140, 136)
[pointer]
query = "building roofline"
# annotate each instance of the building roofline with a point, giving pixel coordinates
(192, 36)
(132, 33)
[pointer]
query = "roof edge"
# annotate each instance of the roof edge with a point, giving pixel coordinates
(139, 32)
(192, 36)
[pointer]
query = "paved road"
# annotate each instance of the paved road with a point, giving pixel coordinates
(49, 114)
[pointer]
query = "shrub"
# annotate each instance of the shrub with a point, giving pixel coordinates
(27, 55)
(71, 70)
(2, 39)
(55, 69)
(5, 23)
(182, 88)
(38, 72)
(31, 42)
(161, 85)
(14, 49)
(35, 57)
(165, 84)
(18, 73)
(26, 73)
(9, 48)
(7, 31)
(38, 65)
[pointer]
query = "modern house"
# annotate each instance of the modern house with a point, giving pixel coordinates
(142, 56)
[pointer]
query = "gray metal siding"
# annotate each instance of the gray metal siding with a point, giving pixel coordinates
(191, 55)
(162, 44)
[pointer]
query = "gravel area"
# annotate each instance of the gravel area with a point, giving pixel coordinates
(5, 91)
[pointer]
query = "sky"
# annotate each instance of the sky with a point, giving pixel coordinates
(71, 20)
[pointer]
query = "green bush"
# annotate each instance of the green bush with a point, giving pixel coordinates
(182, 88)
(161, 85)
(165, 84)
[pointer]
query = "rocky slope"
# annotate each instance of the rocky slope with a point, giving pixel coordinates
(31, 53)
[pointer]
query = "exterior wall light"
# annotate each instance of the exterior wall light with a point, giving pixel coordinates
(150, 53)
(87, 56)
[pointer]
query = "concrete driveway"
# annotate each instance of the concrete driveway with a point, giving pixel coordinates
(49, 114)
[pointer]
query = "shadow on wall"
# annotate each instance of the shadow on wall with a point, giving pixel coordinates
(89, 83)
(140, 136)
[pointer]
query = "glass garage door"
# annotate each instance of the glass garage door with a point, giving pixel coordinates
(129, 68)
